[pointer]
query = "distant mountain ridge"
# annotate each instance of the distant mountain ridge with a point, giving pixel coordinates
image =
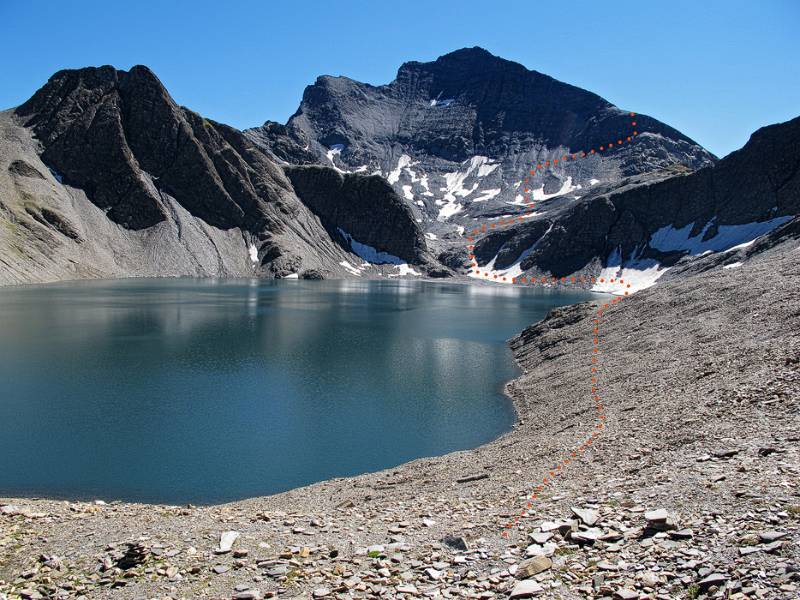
(456, 136)
(151, 188)
(102, 174)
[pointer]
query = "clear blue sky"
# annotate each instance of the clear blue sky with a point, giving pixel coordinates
(714, 69)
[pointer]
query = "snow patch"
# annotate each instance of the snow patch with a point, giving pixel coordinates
(424, 183)
(511, 272)
(335, 150)
(253, 251)
(407, 192)
(368, 253)
(486, 168)
(403, 270)
(351, 269)
(454, 184)
(448, 210)
(538, 195)
(669, 239)
(732, 265)
(445, 102)
(566, 187)
(639, 273)
(430, 236)
(403, 162)
(487, 195)
(292, 276)
(741, 246)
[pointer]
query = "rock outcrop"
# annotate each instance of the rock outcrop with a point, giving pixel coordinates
(364, 207)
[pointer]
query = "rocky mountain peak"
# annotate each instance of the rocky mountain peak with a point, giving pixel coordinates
(474, 59)
(192, 195)
(138, 146)
(456, 137)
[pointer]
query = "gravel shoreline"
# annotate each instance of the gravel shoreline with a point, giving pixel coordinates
(691, 490)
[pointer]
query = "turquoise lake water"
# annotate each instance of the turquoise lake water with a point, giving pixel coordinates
(204, 391)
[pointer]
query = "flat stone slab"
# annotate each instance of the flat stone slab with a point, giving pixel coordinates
(526, 589)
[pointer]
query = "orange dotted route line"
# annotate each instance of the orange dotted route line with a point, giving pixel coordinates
(549, 476)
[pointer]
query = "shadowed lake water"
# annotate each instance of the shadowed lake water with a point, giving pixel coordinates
(205, 391)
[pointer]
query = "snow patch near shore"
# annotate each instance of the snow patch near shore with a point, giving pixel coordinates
(403, 270)
(352, 269)
(638, 273)
(368, 253)
(511, 272)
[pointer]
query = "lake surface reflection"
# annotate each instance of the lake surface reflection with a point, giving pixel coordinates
(212, 390)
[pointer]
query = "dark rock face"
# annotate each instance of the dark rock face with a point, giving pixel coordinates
(119, 136)
(312, 275)
(455, 258)
(456, 136)
(23, 169)
(51, 218)
(280, 141)
(755, 185)
(365, 207)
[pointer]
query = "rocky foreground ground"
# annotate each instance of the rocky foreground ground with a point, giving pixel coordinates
(689, 490)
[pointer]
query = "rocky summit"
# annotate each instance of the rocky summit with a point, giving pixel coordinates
(472, 140)
(457, 136)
